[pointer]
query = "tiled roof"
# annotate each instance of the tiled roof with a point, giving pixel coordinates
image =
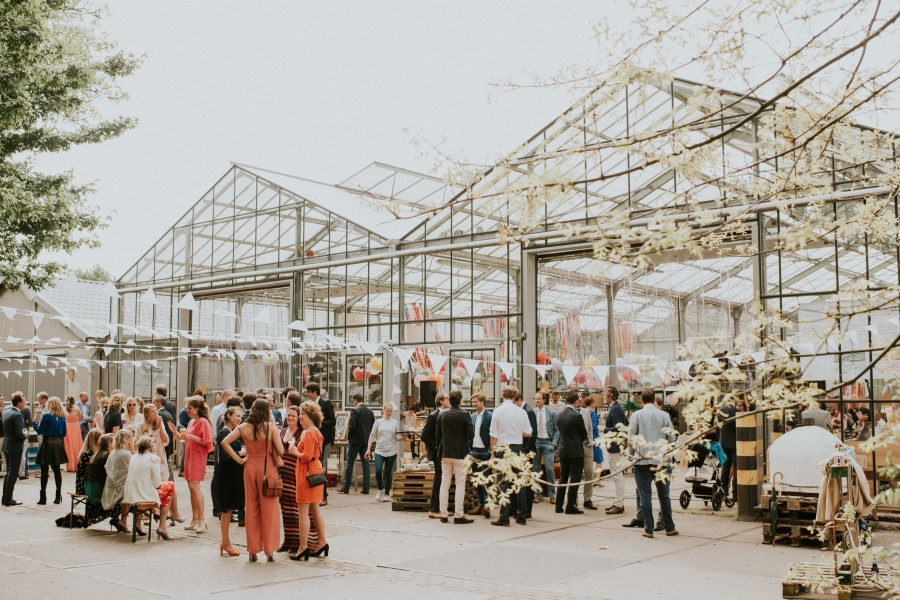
(86, 303)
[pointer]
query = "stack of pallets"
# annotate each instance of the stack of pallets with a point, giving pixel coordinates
(796, 515)
(412, 491)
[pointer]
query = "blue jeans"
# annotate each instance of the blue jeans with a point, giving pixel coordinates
(480, 455)
(644, 477)
(354, 450)
(544, 448)
(386, 464)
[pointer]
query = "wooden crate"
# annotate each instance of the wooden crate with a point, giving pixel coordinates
(797, 510)
(412, 491)
(794, 584)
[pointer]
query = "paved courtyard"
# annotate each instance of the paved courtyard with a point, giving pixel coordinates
(377, 553)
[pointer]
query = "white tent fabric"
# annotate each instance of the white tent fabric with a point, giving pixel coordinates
(798, 454)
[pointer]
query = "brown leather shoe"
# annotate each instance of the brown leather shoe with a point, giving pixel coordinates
(615, 510)
(434, 515)
(343, 491)
(486, 512)
(475, 512)
(673, 532)
(365, 492)
(648, 535)
(500, 523)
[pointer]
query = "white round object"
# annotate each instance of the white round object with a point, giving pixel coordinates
(798, 454)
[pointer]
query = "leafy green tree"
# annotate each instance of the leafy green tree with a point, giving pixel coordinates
(95, 273)
(54, 68)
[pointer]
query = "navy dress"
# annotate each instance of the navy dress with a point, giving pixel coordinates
(228, 477)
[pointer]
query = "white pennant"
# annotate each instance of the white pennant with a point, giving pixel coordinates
(854, 337)
(52, 372)
(148, 297)
(298, 326)
(107, 350)
(404, 354)
(758, 356)
(242, 354)
(570, 373)
(506, 368)
(153, 363)
(29, 293)
(263, 316)
(42, 359)
(188, 302)
(9, 312)
(471, 365)
(437, 361)
(110, 290)
(602, 373)
(369, 347)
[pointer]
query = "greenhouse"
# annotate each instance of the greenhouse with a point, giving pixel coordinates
(272, 280)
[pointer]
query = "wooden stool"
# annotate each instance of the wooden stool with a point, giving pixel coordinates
(77, 500)
(144, 509)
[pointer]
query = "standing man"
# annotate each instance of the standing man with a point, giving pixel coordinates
(453, 432)
(162, 390)
(728, 441)
(84, 405)
(14, 436)
(545, 442)
(219, 409)
(327, 429)
(617, 463)
(509, 427)
(358, 431)
(572, 436)
(29, 423)
(479, 447)
(555, 404)
(429, 438)
(528, 446)
(587, 472)
(647, 430)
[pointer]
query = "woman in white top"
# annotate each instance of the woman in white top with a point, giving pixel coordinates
(117, 473)
(132, 416)
(152, 426)
(385, 433)
(143, 481)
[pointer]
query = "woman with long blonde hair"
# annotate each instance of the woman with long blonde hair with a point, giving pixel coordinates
(132, 417)
(52, 451)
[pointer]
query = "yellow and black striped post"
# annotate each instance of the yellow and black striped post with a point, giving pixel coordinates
(747, 474)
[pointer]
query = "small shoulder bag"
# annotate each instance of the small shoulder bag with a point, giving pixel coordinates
(272, 486)
(319, 478)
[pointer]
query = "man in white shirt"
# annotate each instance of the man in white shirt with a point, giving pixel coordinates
(84, 405)
(479, 448)
(555, 404)
(509, 427)
(219, 409)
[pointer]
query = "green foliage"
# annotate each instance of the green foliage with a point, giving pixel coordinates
(95, 273)
(54, 67)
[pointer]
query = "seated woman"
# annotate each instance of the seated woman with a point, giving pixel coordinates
(144, 484)
(116, 474)
(95, 481)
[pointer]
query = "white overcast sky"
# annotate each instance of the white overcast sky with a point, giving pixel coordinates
(313, 89)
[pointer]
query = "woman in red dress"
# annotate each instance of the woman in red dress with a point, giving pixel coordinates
(197, 440)
(309, 462)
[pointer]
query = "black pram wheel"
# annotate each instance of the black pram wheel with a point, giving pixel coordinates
(717, 500)
(685, 499)
(729, 502)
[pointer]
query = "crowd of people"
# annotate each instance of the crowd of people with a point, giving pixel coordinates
(268, 473)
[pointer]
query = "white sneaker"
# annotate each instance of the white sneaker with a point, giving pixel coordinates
(386, 497)
(378, 495)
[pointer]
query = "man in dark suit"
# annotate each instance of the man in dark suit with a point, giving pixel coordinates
(617, 462)
(528, 446)
(327, 429)
(14, 436)
(572, 436)
(453, 432)
(29, 423)
(480, 448)
(358, 431)
(160, 403)
(429, 438)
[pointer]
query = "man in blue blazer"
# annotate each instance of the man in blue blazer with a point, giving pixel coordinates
(14, 436)
(546, 438)
(480, 447)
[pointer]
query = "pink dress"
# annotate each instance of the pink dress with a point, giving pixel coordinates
(73, 442)
(262, 514)
(195, 453)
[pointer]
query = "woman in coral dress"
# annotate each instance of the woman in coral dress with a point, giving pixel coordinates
(309, 462)
(197, 440)
(262, 514)
(73, 439)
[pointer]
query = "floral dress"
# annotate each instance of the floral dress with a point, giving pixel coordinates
(93, 511)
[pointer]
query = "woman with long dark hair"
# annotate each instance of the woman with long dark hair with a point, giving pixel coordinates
(290, 435)
(95, 482)
(52, 451)
(228, 479)
(264, 447)
(197, 440)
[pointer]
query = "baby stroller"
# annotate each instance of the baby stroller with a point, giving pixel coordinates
(706, 480)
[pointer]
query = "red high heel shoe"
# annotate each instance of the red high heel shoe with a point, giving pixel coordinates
(229, 549)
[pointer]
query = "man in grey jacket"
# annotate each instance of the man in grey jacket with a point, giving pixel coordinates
(649, 431)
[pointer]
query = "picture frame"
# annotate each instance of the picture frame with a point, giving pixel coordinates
(342, 424)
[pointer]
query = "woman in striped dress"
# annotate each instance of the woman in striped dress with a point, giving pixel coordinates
(288, 471)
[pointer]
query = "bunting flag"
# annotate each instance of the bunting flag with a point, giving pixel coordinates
(506, 368)
(263, 316)
(471, 365)
(602, 373)
(37, 318)
(570, 373)
(110, 290)
(437, 361)
(298, 326)
(9, 312)
(148, 297)
(188, 302)
(41, 359)
(242, 354)
(758, 356)
(684, 366)
(404, 355)
(541, 369)
(370, 348)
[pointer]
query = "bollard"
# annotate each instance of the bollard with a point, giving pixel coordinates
(747, 479)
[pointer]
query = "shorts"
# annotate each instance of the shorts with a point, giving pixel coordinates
(166, 491)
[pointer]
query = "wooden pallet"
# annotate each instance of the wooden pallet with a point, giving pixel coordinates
(795, 584)
(801, 508)
(412, 491)
(797, 533)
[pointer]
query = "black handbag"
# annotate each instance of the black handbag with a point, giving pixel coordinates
(319, 478)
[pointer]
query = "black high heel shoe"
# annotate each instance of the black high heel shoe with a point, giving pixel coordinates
(139, 531)
(320, 551)
(58, 499)
(302, 556)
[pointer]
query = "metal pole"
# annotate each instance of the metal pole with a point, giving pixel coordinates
(747, 474)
